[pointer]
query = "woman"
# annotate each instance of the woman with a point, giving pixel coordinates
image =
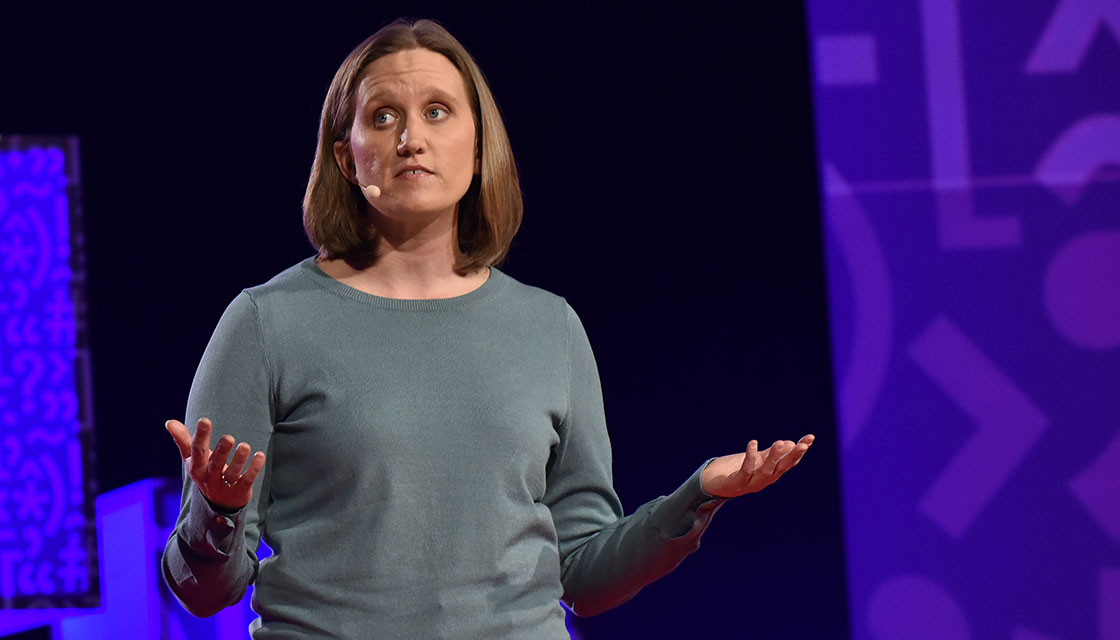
(437, 457)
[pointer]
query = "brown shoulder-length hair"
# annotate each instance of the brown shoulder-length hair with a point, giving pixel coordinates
(488, 215)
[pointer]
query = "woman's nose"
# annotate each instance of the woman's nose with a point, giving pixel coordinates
(409, 142)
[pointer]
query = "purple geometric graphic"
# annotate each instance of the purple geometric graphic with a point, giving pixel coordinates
(1079, 154)
(958, 225)
(1082, 290)
(853, 237)
(915, 608)
(976, 179)
(1069, 33)
(1007, 425)
(1097, 488)
(47, 538)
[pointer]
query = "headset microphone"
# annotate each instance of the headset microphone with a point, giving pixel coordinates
(371, 192)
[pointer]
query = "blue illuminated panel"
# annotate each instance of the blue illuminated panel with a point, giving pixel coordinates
(48, 546)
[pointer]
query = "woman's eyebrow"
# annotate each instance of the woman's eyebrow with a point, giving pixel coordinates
(434, 94)
(439, 95)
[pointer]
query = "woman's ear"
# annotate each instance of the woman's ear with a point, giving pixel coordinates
(345, 160)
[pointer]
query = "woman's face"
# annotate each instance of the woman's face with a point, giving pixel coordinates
(413, 134)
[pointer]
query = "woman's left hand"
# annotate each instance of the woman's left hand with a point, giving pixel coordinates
(734, 475)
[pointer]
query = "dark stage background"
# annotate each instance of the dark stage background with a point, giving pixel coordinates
(667, 161)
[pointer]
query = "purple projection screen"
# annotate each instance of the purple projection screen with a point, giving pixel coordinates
(970, 161)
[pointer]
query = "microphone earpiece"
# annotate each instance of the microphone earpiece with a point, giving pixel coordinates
(371, 192)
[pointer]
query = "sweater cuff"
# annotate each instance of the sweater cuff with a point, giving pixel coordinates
(210, 532)
(688, 511)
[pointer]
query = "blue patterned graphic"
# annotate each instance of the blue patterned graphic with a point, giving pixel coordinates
(47, 536)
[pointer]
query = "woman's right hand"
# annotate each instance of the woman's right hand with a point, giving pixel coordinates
(225, 486)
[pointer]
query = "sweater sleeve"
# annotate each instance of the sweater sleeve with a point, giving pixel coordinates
(606, 558)
(210, 557)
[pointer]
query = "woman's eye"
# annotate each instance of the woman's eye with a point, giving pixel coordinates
(437, 113)
(383, 118)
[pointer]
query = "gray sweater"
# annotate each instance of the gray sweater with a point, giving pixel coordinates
(436, 468)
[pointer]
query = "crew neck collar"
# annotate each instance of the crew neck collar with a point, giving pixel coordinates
(493, 284)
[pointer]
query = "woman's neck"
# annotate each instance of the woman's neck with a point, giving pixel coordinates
(416, 266)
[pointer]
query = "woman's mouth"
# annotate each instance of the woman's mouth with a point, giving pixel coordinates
(414, 171)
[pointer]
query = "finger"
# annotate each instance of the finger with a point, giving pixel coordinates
(181, 435)
(775, 454)
(791, 459)
(233, 473)
(752, 459)
(200, 444)
(798, 452)
(255, 466)
(218, 459)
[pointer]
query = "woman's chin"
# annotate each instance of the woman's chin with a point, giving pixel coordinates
(414, 209)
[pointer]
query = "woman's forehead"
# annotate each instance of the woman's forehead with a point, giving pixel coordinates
(409, 73)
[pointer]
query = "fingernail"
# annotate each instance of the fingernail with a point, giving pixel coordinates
(167, 425)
